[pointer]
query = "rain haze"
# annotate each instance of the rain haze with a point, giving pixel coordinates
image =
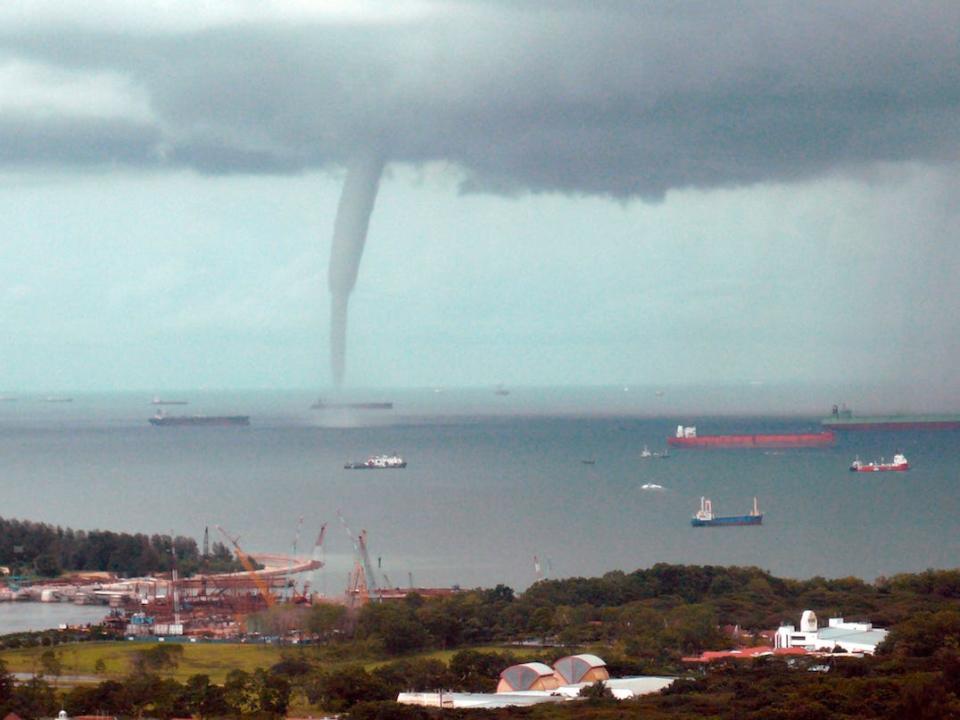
(548, 194)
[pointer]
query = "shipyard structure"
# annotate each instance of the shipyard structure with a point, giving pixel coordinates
(218, 605)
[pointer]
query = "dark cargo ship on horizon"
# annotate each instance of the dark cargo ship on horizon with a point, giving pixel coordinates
(842, 418)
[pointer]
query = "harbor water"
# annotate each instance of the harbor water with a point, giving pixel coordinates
(24, 616)
(491, 480)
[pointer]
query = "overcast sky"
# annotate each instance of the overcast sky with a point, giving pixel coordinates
(575, 192)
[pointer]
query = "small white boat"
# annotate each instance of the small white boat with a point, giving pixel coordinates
(378, 462)
(651, 486)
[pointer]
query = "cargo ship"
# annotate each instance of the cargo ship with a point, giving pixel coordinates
(706, 518)
(322, 404)
(899, 464)
(378, 462)
(218, 420)
(842, 418)
(686, 437)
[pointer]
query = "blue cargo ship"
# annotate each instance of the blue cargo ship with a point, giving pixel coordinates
(706, 518)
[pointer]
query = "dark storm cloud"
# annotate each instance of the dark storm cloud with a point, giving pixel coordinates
(75, 142)
(616, 98)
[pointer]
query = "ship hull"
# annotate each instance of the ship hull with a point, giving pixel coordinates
(217, 421)
(362, 466)
(880, 468)
(905, 422)
(733, 521)
(765, 441)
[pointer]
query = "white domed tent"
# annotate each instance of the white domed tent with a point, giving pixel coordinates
(575, 669)
(528, 676)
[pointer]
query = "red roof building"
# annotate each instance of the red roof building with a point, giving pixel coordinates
(749, 653)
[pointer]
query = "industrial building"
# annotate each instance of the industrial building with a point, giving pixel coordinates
(526, 677)
(575, 669)
(534, 682)
(851, 637)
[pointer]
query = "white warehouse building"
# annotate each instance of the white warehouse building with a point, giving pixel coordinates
(850, 637)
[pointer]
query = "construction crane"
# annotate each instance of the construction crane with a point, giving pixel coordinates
(248, 566)
(173, 578)
(320, 555)
(291, 580)
(367, 567)
(386, 578)
(363, 580)
(296, 538)
(318, 545)
(317, 557)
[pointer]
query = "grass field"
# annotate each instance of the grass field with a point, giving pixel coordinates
(213, 659)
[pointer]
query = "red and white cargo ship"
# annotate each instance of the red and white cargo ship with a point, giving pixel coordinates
(899, 464)
(687, 437)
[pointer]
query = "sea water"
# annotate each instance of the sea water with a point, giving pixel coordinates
(23, 616)
(491, 481)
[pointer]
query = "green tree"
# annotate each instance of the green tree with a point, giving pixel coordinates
(396, 625)
(327, 620)
(475, 671)
(596, 691)
(420, 674)
(6, 684)
(273, 692)
(34, 699)
(239, 692)
(47, 565)
(204, 699)
(50, 663)
(159, 658)
(339, 690)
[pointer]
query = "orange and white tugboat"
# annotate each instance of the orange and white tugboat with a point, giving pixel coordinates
(899, 464)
